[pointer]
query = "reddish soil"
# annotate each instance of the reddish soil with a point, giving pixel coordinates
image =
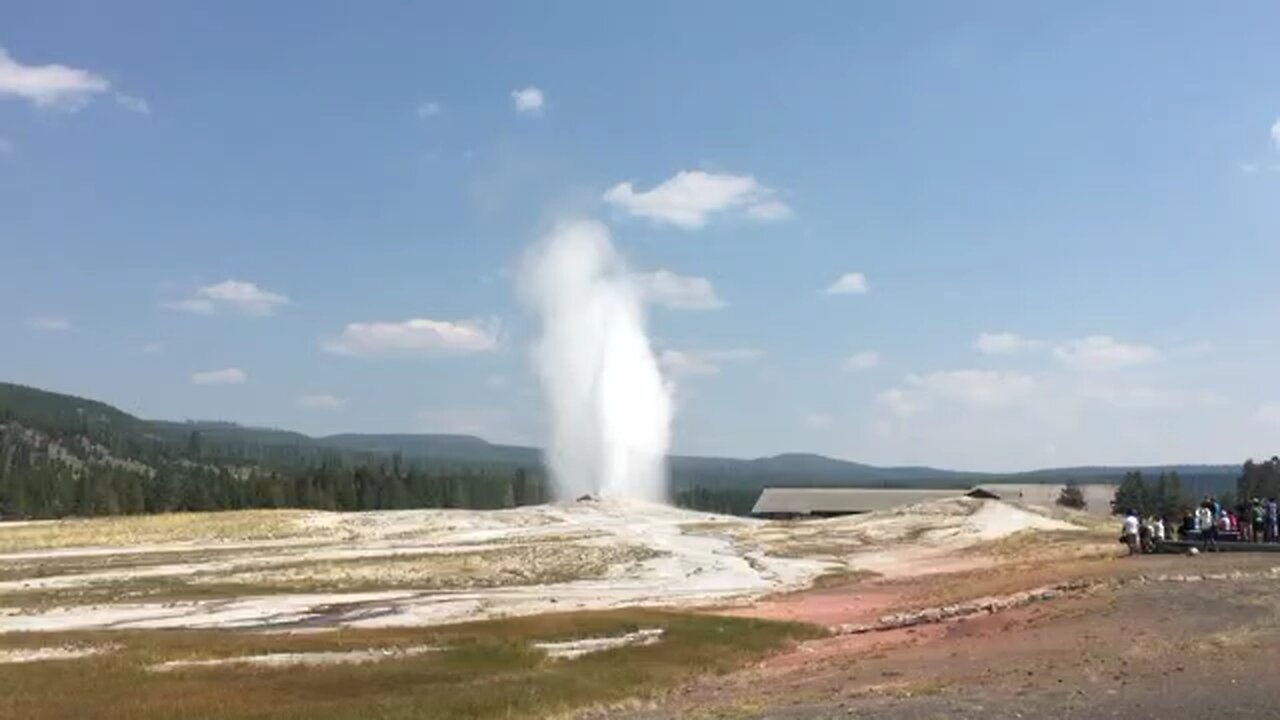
(1129, 648)
(856, 602)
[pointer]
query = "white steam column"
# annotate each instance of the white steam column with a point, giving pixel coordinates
(609, 410)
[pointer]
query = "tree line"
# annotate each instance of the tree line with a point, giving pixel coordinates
(45, 479)
(1165, 497)
(52, 490)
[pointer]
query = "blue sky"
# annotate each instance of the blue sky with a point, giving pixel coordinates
(1055, 226)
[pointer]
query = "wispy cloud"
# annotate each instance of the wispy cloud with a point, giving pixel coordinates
(56, 86)
(678, 292)
(972, 388)
(1275, 134)
(153, 348)
(49, 323)
(702, 362)
(850, 283)
(133, 103)
(6, 147)
(691, 198)
(1004, 343)
(428, 109)
(527, 101)
(1102, 352)
(320, 401)
(415, 336)
(861, 361)
(243, 297)
(770, 210)
(224, 376)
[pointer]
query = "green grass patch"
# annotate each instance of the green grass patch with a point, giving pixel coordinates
(487, 670)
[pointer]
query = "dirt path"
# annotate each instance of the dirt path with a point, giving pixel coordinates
(1129, 647)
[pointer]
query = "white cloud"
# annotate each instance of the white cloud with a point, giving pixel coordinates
(899, 402)
(1275, 133)
(320, 401)
(691, 197)
(1248, 168)
(415, 336)
(243, 297)
(527, 101)
(428, 109)
(57, 86)
(195, 306)
(49, 323)
(1004, 343)
(858, 362)
(496, 382)
(225, 376)
(850, 283)
(680, 362)
(1102, 352)
(770, 210)
(969, 388)
(6, 147)
(154, 347)
(733, 354)
(706, 362)
(817, 421)
(983, 388)
(678, 292)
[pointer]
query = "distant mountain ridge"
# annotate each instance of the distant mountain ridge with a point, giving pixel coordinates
(67, 414)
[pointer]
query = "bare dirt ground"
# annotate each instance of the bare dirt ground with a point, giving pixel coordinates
(1149, 638)
(955, 608)
(284, 570)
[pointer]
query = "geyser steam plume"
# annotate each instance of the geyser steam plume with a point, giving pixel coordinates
(609, 410)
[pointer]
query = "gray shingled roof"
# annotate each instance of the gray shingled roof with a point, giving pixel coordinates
(805, 501)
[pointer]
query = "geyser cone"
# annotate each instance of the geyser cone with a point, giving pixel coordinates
(609, 410)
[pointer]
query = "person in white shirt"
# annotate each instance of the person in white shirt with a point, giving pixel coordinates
(1159, 530)
(1204, 518)
(1131, 531)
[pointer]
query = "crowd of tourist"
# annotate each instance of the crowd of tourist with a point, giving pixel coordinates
(1254, 521)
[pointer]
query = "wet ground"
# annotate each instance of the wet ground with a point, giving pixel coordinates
(1151, 640)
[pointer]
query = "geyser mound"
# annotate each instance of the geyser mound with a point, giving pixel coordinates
(608, 407)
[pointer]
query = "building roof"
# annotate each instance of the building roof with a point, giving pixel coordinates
(1097, 496)
(808, 501)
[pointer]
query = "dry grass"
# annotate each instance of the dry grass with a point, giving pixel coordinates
(1050, 546)
(238, 526)
(75, 565)
(514, 565)
(500, 567)
(842, 578)
(488, 670)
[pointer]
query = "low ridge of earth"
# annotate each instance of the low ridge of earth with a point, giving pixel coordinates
(289, 569)
(1154, 636)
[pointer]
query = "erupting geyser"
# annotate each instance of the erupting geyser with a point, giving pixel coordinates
(609, 410)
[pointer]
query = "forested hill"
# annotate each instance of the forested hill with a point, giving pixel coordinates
(52, 431)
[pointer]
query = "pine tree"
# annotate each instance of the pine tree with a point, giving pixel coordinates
(1071, 496)
(1132, 494)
